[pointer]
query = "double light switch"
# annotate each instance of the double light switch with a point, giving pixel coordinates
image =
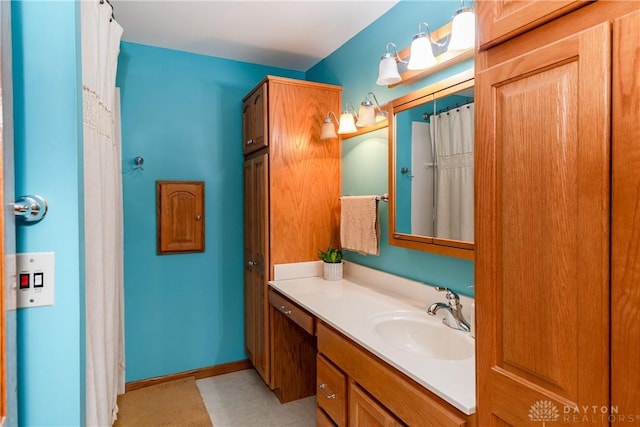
(35, 279)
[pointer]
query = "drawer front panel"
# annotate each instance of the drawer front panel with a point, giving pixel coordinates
(322, 419)
(293, 312)
(331, 392)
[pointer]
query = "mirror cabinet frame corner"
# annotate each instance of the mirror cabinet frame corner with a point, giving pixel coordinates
(448, 86)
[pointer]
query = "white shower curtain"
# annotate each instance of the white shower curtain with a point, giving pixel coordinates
(103, 214)
(454, 158)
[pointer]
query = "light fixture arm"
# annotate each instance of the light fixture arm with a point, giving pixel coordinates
(395, 53)
(346, 109)
(328, 118)
(374, 98)
(422, 34)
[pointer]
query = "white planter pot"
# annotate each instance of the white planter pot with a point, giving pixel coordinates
(332, 271)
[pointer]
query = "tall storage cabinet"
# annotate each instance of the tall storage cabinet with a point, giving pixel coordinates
(291, 193)
(557, 178)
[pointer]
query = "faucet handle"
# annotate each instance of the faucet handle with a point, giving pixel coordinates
(450, 294)
(452, 297)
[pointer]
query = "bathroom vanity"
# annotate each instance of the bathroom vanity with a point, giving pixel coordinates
(378, 358)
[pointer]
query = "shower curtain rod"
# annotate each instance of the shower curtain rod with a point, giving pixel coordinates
(426, 116)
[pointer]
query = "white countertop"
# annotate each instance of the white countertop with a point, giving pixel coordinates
(348, 304)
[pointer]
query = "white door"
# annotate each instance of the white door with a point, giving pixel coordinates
(8, 361)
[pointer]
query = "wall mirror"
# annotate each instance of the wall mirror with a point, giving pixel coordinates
(431, 139)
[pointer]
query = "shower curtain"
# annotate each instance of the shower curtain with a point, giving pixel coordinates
(103, 214)
(454, 188)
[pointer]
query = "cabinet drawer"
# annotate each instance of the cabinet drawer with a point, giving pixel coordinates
(293, 312)
(322, 419)
(332, 391)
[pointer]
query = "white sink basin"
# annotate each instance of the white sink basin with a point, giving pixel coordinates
(419, 333)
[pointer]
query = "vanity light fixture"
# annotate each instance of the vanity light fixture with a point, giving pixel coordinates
(329, 127)
(463, 29)
(388, 70)
(369, 114)
(347, 120)
(421, 50)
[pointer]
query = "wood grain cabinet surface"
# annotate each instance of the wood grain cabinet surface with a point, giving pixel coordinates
(291, 193)
(501, 20)
(254, 120)
(383, 395)
(557, 268)
(365, 411)
(292, 332)
(180, 216)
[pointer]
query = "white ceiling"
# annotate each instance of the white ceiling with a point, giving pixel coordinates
(288, 34)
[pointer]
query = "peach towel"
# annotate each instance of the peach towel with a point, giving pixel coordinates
(359, 225)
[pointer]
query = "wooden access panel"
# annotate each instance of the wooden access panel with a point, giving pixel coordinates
(180, 216)
(542, 248)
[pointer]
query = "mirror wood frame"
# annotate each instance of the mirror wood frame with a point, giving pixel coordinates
(445, 87)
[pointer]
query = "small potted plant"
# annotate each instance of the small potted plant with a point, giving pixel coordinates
(332, 258)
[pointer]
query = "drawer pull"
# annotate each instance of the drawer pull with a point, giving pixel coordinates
(323, 388)
(283, 309)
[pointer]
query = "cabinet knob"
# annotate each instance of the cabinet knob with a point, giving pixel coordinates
(251, 263)
(198, 217)
(249, 141)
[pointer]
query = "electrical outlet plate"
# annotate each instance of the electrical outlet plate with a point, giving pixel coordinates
(39, 270)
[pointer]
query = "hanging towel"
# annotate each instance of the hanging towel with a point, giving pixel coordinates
(359, 226)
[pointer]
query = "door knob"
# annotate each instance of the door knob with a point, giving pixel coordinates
(30, 208)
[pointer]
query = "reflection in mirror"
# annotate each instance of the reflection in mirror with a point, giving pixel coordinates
(432, 187)
(435, 161)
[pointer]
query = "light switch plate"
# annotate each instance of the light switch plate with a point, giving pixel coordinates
(32, 292)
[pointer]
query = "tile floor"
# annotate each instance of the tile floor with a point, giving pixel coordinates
(241, 399)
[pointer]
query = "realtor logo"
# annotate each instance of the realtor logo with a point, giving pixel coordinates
(543, 411)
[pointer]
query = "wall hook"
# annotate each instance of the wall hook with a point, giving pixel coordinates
(139, 161)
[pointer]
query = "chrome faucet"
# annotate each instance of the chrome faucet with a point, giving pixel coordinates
(454, 307)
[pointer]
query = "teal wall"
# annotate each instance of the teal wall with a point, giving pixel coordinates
(183, 114)
(354, 66)
(48, 153)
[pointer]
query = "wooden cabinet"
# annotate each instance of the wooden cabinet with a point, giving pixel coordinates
(383, 395)
(364, 411)
(292, 210)
(256, 259)
(254, 120)
(294, 360)
(180, 216)
(553, 220)
(332, 391)
(501, 20)
(625, 218)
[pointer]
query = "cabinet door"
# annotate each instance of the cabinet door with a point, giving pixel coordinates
(542, 249)
(625, 214)
(366, 412)
(256, 262)
(254, 121)
(180, 216)
(501, 20)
